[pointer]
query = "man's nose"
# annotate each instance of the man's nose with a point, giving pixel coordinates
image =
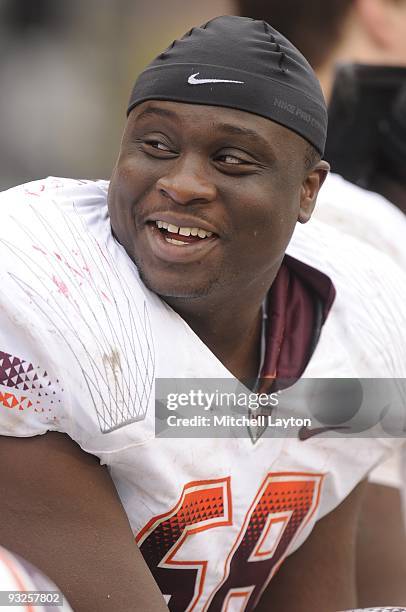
(187, 182)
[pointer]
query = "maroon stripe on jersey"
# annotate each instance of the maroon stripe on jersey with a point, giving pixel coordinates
(299, 302)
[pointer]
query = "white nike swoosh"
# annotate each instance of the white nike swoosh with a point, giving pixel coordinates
(193, 81)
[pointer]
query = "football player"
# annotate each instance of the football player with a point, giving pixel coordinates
(178, 269)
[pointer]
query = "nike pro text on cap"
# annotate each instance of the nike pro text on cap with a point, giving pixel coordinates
(239, 63)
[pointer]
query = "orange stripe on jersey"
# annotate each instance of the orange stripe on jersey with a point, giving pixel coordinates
(188, 489)
(203, 505)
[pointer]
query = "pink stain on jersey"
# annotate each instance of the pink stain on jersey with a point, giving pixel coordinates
(35, 193)
(37, 248)
(84, 272)
(62, 288)
(74, 270)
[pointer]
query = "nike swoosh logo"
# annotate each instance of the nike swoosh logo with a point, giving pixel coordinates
(305, 432)
(192, 80)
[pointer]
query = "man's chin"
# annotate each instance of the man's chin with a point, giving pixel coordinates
(175, 291)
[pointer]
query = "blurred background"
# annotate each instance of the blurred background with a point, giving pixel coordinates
(66, 71)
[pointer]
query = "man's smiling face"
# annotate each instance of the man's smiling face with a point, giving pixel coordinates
(205, 199)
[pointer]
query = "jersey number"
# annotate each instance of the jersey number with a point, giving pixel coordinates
(283, 505)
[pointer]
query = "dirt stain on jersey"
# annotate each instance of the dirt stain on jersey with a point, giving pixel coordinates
(112, 362)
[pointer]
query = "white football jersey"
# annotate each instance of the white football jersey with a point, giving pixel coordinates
(363, 214)
(371, 218)
(82, 341)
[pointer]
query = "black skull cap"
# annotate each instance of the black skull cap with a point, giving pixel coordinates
(240, 63)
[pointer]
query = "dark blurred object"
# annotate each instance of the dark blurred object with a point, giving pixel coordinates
(366, 141)
(20, 15)
(313, 27)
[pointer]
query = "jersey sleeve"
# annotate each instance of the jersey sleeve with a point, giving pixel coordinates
(33, 397)
(76, 351)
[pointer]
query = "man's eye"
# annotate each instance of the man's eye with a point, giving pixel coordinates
(231, 159)
(235, 163)
(234, 157)
(156, 144)
(156, 147)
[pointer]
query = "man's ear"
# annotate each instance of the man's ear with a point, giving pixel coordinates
(310, 189)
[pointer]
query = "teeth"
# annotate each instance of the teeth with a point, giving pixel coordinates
(183, 231)
(177, 242)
